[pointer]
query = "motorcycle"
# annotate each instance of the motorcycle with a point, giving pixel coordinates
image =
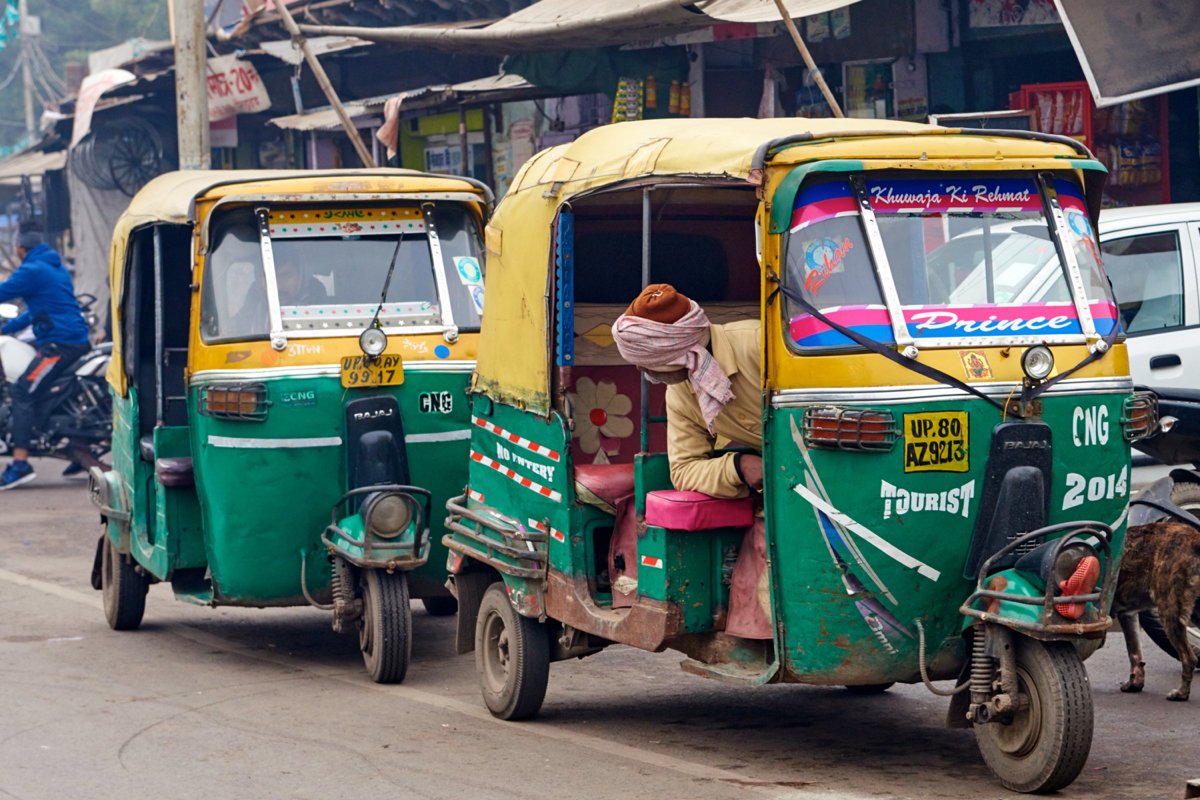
(74, 416)
(1177, 494)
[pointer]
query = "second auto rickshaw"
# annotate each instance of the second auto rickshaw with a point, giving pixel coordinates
(946, 413)
(291, 353)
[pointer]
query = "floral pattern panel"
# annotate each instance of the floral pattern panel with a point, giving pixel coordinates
(604, 401)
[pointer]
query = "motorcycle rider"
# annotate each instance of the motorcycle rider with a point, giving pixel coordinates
(61, 337)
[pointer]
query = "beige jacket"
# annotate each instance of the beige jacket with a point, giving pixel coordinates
(737, 346)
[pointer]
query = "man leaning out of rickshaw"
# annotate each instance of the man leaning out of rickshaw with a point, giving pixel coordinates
(713, 394)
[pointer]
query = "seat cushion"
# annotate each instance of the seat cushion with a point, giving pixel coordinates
(174, 471)
(146, 448)
(602, 485)
(696, 511)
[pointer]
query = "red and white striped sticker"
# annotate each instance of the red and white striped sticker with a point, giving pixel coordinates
(474, 495)
(519, 441)
(651, 561)
(508, 473)
(555, 533)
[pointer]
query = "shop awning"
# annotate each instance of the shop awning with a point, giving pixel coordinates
(565, 24)
(1131, 50)
(30, 162)
(495, 88)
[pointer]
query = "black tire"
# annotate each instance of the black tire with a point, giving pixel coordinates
(385, 627)
(870, 688)
(512, 656)
(124, 589)
(441, 606)
(1047, 743)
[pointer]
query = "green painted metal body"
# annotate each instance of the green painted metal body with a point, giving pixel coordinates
(830, 629)
(257, 513)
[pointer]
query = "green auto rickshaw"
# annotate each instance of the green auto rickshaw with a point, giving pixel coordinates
(946, 415)
(291, 351)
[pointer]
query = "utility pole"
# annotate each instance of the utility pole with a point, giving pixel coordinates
(28, 29)
(191, 84)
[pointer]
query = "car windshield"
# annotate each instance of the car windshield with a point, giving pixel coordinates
(968, 257)
(330, 270)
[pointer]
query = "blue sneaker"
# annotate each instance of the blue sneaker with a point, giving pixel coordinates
(15, 474)
(74, 468)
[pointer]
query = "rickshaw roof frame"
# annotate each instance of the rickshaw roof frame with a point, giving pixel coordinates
(514, 354)
(171, 199)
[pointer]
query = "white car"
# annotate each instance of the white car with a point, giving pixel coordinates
(1152, 255)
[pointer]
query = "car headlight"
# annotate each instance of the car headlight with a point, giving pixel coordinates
(387, 515)
(1037, 362)
(372, 341)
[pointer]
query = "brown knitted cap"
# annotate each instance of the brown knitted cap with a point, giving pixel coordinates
(659, 302)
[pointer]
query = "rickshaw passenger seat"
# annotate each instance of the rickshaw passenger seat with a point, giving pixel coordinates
(603, 485)
(696, 511)
(176, 471)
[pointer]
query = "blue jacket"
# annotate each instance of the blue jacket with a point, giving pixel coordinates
(50, 304)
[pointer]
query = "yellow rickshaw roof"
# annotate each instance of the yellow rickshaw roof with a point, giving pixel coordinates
(171, 199)
(513, 353)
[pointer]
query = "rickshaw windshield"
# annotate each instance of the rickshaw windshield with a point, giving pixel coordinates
(330, 270)
(968, 259)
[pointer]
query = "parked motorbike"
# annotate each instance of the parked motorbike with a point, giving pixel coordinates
(1176, 494)
(74, 417)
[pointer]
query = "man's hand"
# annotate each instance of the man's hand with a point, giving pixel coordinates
(752, 470)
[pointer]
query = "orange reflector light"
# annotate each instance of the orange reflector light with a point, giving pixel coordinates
(244, 401)
(1139, 419)
(831, 428)
(1082, 581)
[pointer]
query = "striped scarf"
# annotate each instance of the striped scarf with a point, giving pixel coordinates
(647, 343)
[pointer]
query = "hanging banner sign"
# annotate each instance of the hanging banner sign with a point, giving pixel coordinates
(234, 87)
(89, 94)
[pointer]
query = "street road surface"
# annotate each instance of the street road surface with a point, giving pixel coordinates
(266, 704)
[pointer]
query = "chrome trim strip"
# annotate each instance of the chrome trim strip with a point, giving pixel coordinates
(447, 436)
(269, 444)
(797, 398)
(315, 371)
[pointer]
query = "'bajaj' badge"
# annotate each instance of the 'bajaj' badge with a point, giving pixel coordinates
(976, 364)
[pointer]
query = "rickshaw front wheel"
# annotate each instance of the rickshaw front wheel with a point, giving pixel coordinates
(123, 587)
(1045, 745)
(385, 627)
(512, 656)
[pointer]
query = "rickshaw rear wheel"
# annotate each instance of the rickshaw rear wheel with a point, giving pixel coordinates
(385, 627)
(1045, 745)
(439, 606)
(512, 656)
(123, 587)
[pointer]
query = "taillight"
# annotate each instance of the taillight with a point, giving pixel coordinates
(832, 428)
(242, 401)
(1139, 417)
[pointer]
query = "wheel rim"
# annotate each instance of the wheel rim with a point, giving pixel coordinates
(1019, 737)
(497, 654)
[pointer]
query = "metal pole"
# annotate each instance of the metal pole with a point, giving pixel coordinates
(26, 71)
(462, 135)
(160, 403)
(646, 218)
(191, 84)
(326, 86)
(808, 59)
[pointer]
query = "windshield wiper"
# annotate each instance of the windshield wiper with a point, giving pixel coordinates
(387, 281)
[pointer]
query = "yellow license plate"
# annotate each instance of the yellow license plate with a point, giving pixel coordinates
(936, 442)
(386, 370)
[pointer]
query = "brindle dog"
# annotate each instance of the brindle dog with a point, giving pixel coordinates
(1160, 570)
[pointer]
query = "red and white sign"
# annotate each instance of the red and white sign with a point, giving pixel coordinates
(234, 87)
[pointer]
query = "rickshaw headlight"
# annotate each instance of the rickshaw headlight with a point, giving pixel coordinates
(372, 341)
(387, 515)
(1037, 362)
